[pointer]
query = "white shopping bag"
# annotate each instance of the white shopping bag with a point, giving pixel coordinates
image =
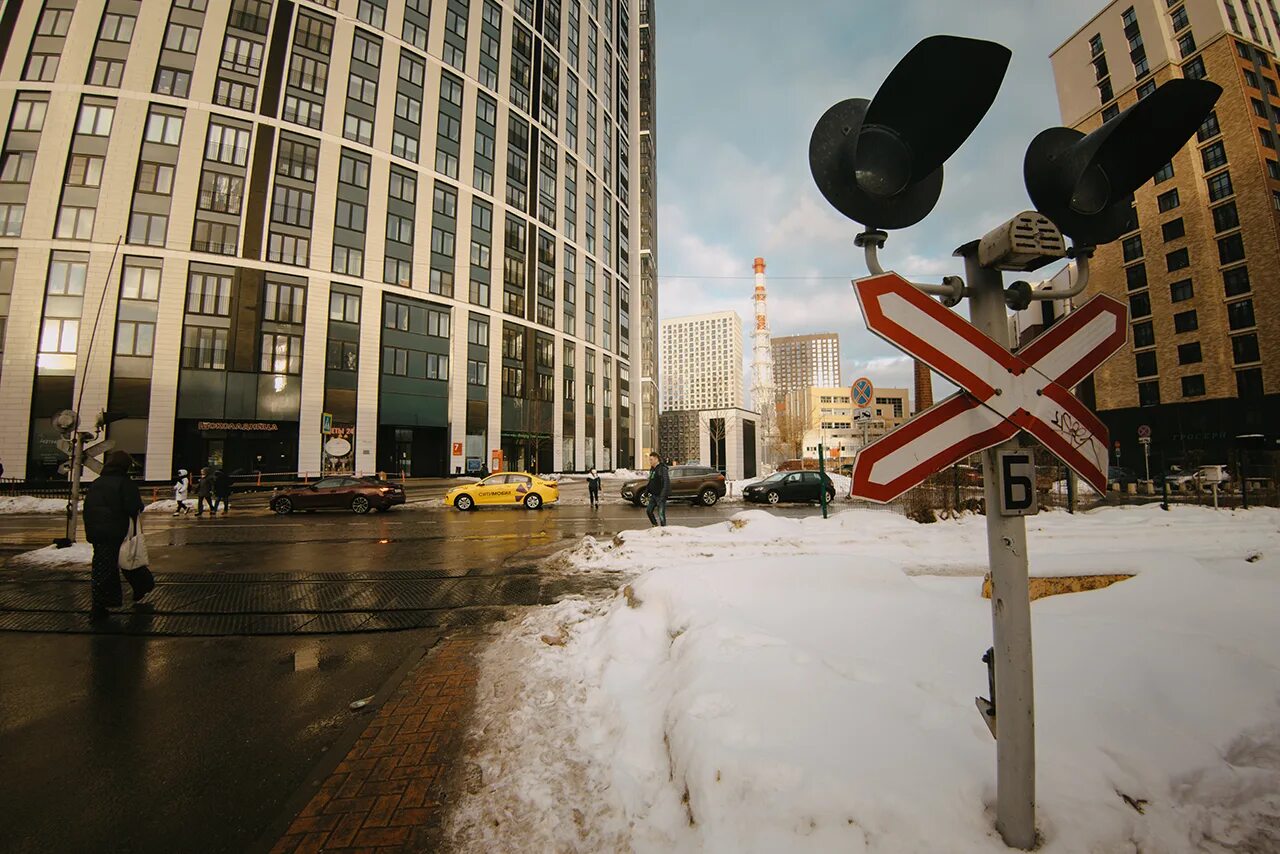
(133, 551)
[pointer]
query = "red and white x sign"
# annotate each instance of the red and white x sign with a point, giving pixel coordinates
(1002, 392)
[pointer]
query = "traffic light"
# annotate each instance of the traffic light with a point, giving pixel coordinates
(1085, 184)
(879, 162)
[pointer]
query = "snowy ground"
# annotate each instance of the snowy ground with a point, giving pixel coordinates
(30, 504)
(776, 684)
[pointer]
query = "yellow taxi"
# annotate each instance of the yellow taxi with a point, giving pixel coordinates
(505, 489)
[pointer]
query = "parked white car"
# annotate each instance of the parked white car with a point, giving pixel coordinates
(1202, 476)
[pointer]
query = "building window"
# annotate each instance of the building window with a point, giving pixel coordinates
(1139, 304)
(1266, 138)
(1181, 290)
(1225, 217)
(1186, 321)
(53, 22)
(75, 223)
(59, 335)
(1209, 128)
(1168, 201)
(95, 119)
(343, 356)
(1149, 393)
(1146, 89)
(182, 38)
(281, 354)
(142, 283)
(210, 294)
(284, 303)
(1144, 334)
(1213, 156)
(135, 338)
(1236, 281)
(1173, 229)
(41, 67)
(344, 307)
(1146, 363)
(148, 229)
(164, 129)
(1193, 386)
(105, 72)
(226, 144)
(66, 277)
(1231, 249)
(1220, 186)
(173, 81)
(1136, 276)
(1189, 354)
(1244, 349)
(1177, 260)
(1132, 247)
(1240, 314)
(1164, 173)
(1249, 384)
(1193, 70)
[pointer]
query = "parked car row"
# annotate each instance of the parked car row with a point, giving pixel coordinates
(699, 484)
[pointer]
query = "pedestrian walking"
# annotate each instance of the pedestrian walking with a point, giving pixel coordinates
(204, 492)
(593, 488)
(221, 491)
(659, 488)
(111, 510)
(181, 487)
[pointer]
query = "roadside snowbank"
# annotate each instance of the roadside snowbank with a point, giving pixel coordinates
(30, 504)
(51, 557)
(779, 684)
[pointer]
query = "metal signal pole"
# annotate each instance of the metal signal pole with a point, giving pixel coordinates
(1010, 600)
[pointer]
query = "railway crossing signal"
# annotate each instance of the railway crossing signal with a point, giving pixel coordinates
(879, 162)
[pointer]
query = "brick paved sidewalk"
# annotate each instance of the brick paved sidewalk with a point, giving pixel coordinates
(388, 794)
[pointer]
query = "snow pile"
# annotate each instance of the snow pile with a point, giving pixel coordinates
(777, 684)
(30, 504)
(50, 557)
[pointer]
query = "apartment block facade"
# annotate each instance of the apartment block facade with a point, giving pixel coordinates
(701, 357)
(1201, 274)
(407, 226)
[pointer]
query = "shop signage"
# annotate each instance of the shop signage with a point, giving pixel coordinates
(242, 426)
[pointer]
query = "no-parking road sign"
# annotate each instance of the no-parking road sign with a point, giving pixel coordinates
(1002, 392)
(862, 392)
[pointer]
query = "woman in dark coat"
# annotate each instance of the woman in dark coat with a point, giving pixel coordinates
(111, 503)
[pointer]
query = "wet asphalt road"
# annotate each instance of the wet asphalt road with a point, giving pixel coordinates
(428, 536)
(150, 744)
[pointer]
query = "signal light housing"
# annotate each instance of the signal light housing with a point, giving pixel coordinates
(1085, 183)
(879, 162)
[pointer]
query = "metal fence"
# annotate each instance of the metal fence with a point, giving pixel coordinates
(960, 489)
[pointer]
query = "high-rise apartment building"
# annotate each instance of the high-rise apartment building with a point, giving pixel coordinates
(648, 307)
(1201, 274)
(411, 223)
(801, 362)
(702, 362)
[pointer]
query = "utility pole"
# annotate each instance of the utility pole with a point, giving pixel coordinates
(1010, 599)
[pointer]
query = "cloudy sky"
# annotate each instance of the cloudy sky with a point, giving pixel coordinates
(741, 84)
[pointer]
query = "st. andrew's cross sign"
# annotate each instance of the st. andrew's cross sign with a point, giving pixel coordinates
(1001, 392)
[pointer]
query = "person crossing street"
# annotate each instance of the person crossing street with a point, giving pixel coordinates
(593, 488)
(659, 489)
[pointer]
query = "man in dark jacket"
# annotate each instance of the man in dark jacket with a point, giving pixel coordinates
(204, 493)
(658, 488)
(221, 491)
(112, 501)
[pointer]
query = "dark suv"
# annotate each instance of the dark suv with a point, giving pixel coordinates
(700, 484)
(789, 486)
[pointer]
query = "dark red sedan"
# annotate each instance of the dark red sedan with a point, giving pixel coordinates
(357, 494)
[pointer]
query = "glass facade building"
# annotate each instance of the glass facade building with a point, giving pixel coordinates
(331, 236)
